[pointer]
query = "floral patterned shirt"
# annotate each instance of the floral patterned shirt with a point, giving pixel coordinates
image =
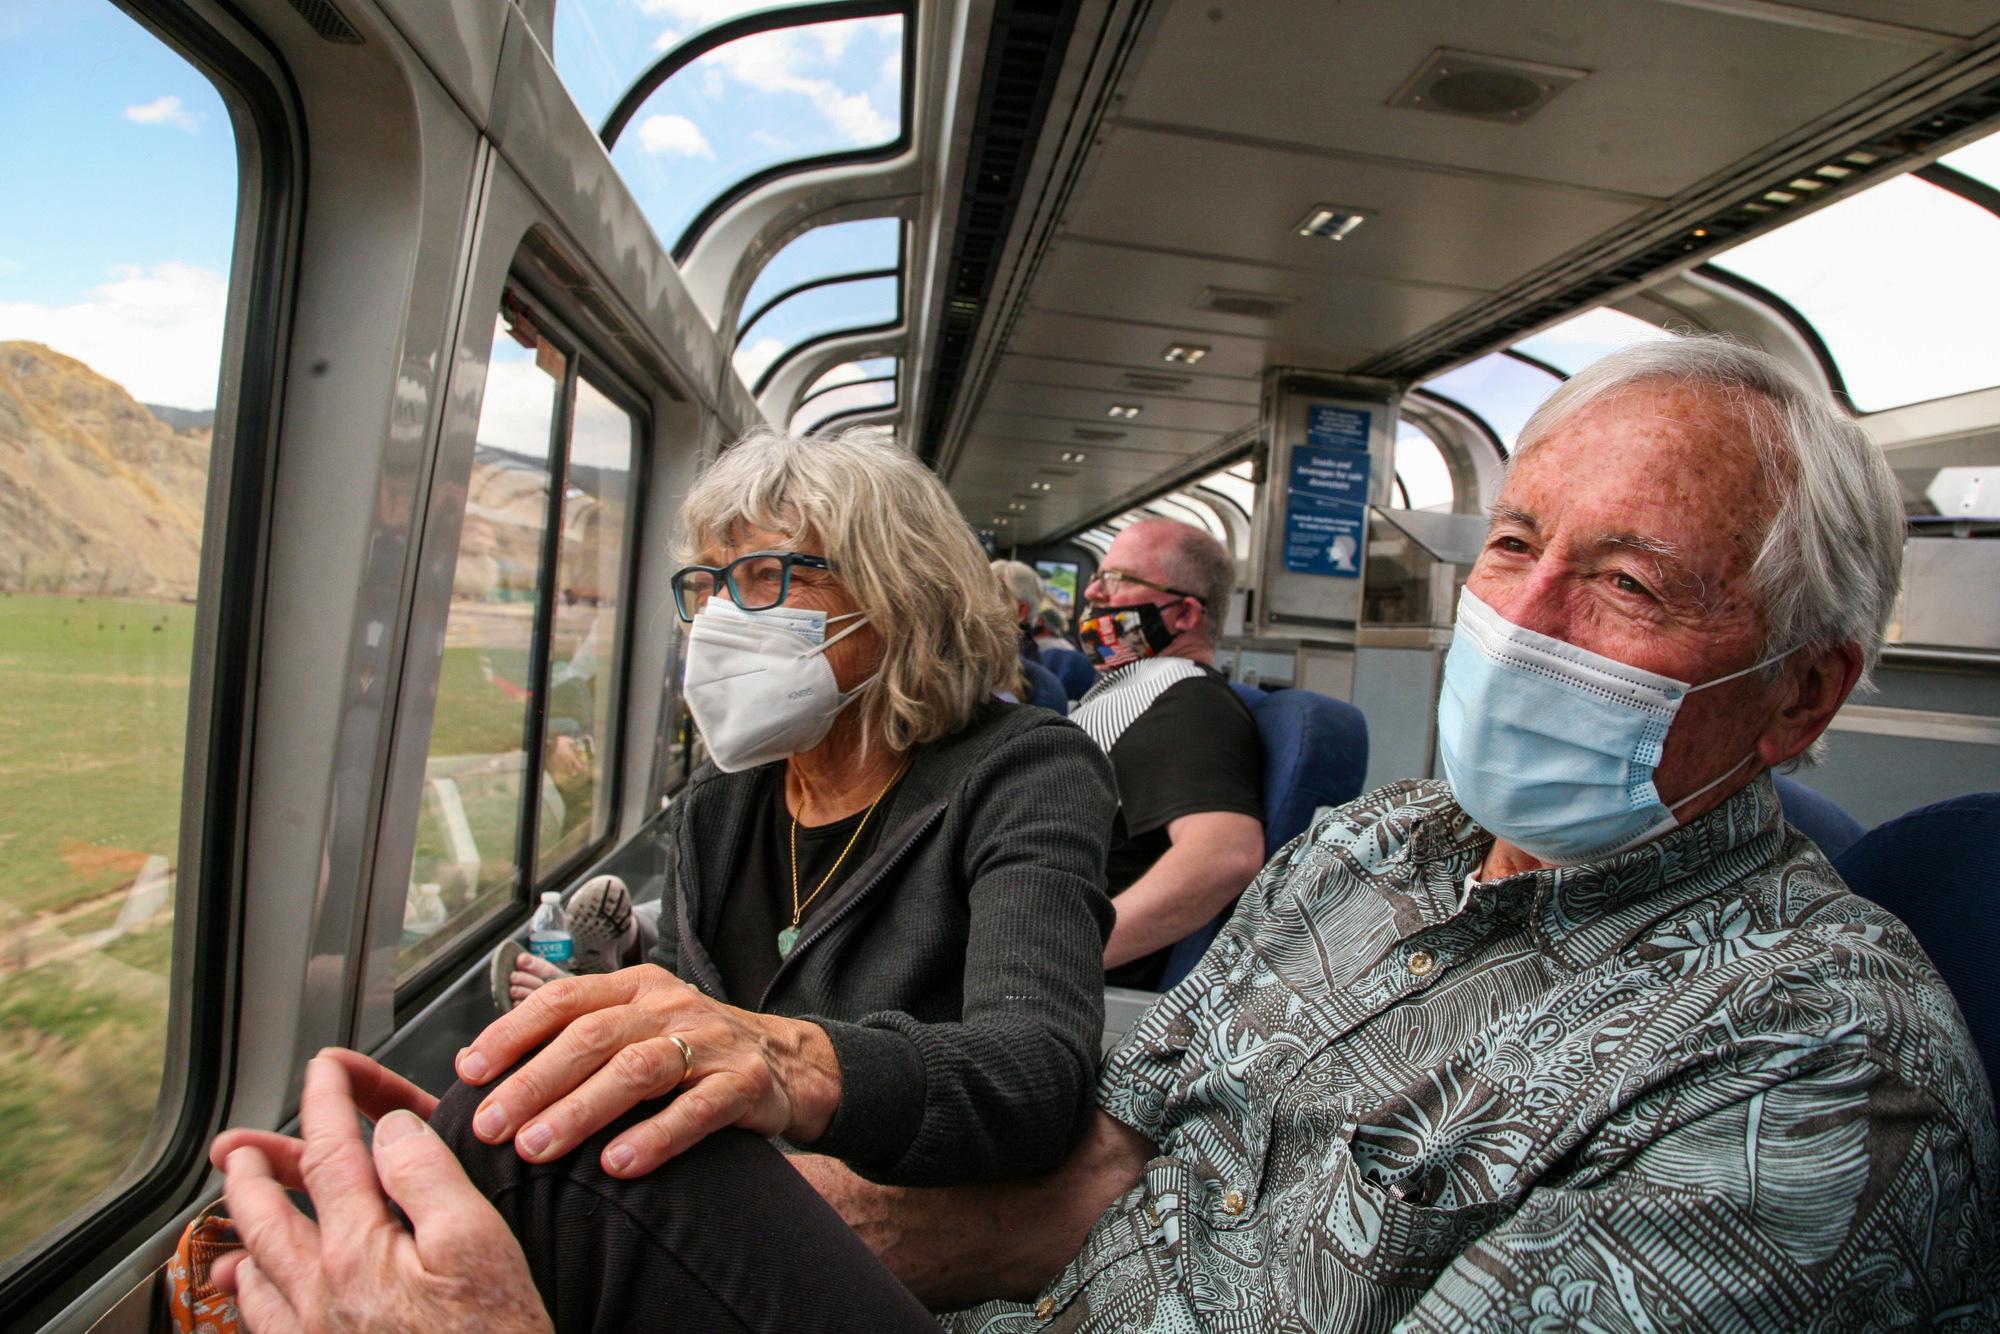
(1698, 1085)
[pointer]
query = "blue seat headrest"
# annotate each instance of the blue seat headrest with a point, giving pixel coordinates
(1315, 754)
(1817, 817)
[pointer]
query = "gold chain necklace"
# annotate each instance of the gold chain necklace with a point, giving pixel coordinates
(789, 937)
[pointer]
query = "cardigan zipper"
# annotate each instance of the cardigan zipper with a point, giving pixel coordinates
(848, 906)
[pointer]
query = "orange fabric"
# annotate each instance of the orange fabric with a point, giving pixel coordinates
(198, 1306)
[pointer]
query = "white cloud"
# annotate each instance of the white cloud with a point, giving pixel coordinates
(164, 111)
(515, 406)
(673, 134)
(755, 359)
(156, 331)
(668, 39)
(770, 64)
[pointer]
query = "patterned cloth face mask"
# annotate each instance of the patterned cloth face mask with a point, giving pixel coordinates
(758, 682)
(1552, 747)
(1124, 634)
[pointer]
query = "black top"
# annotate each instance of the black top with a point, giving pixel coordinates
(957, 969)
(758, 902)
(1194, 749)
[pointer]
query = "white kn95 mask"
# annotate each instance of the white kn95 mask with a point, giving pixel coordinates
(758, 682)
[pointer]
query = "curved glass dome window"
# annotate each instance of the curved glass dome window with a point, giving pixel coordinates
(1900, 282)
(1423, 478)
(1502, 391)
(851, 305)
(721, 114)
(1582, 339)
(842, 400)
(851, 372)
(872, 246)
(1980, 160)
(604, 46)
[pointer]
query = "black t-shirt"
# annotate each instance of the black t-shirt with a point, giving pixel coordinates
(1194, 749)
(758, 904)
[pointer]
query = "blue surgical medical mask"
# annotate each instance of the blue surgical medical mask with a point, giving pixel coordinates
(1552, 747)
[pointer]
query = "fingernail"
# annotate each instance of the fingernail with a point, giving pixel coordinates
(619, 1158)
(398, 1126)
(535, 1139)
(491, 1123)
(229, 1163)
(471, 1066)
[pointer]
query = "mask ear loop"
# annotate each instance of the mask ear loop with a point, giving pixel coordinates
(860, 618)
(1717, 780)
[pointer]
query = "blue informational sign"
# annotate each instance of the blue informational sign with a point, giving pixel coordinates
(1326, 507)
(1341, 428)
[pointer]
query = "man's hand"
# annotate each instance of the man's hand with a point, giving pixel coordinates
(357, 1269)
(615, 1040)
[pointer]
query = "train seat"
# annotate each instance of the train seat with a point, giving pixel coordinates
(1817, 817)
(1936, 868)
(1071, 668)
(1315, 753)
(1044, 691)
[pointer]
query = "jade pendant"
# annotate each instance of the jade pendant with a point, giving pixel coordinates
(786, 939)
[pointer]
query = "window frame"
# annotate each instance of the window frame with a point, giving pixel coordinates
(717, 35)
(582, 361)
(850, 415)
(204, 976)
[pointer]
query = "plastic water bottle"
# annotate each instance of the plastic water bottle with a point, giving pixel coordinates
(424, 912)
(548, 938)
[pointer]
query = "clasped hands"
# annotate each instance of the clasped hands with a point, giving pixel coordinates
(610, 1045)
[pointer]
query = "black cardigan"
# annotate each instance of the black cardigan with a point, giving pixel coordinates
(959, 970)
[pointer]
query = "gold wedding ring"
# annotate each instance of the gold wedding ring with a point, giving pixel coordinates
(687, 1055)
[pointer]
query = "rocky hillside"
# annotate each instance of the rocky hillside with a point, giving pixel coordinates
(97, 494)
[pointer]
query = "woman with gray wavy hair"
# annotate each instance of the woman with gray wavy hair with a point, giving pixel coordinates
(878, 936)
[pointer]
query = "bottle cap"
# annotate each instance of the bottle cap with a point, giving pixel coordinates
(552, 896)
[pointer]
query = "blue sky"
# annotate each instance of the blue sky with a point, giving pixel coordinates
(128, 156)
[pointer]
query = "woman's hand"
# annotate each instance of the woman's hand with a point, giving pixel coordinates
(611, 1044)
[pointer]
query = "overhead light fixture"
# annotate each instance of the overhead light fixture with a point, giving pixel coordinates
(1332, 222)
(1073, 456)
(1187, 354)
(1042, 486)
(1122, 411)
(1016, 505)
(1001, 518)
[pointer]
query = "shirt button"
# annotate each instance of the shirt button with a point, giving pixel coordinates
(1232, 1202)
(1422, 962)
(1152, 1215)
(1045, 1308)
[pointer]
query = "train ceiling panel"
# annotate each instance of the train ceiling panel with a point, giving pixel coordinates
(1672, 93)
(1232, 121)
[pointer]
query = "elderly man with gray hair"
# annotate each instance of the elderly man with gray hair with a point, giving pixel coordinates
(1585, 1036)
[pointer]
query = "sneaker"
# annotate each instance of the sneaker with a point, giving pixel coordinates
(500, 973)
(599, 919)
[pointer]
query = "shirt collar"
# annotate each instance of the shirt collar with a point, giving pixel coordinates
(1586, 914)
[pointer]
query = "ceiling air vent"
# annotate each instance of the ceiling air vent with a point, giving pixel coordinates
(1255, 305)
(327, 21)
(1095, 433)
(1147, 382)
(1459, 83)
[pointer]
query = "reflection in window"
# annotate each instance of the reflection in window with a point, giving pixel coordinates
(865, 303)
(589, 583)
(823, 407)
(1504, 391)
(1582, 339)
(1422, 471)
(468, 839)
(120, 167)
(870, 245)
(759, 102)
(1900, 282)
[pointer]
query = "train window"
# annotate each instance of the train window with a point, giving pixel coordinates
(852, 372)
(759, 105)
(1502, 391)
(1421, 472)
(535, 632)
(1899, 281)
(1979, 160)
(852, 305)
(1582, 339)
(822, 406)
(871, 246)
(120, 159)
(590, 567)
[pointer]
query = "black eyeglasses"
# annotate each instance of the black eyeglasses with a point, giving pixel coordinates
(1111, 581)
(756, 582)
